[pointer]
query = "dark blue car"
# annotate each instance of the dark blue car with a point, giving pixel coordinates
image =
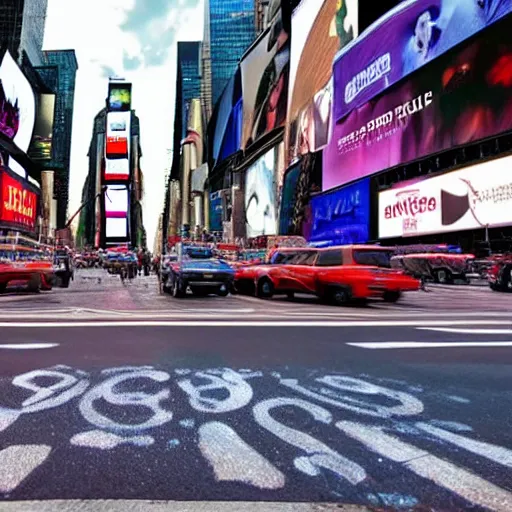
(198, 269)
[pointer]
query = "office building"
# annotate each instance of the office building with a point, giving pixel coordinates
(22, 24)
(67, 65)
(188, 76)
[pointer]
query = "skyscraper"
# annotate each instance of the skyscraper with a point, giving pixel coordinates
(189, 63)
(231, 30)
(67, 65)
(22, 25)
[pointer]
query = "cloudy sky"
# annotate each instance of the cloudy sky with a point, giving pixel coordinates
(135, 39)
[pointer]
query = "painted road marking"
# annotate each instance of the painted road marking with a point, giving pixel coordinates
(250, 323)
(27, 346)
(441, 472)
(469, 331)
(386, 345)
(17, 462)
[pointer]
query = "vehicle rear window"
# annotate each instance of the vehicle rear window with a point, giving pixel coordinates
(331, 258)
(280, 258)
(304, 258)
(375, 258)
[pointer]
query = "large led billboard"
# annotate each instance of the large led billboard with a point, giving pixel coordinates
(18, 202)
(118, 135)
(260, 197)
(41, 146)
(402, 41)
(470, 198)
(117, 169)
(462, 97)
(119, 97)
(17, 107)
(116, 211)
(320, 28)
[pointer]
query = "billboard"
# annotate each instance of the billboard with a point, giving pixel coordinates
(119, 97)
(116, 211)
(41, 146)
(462, 97)
(118, 135)
(470, 198)
(342, 216)
(117, 169)
(18, 202)
(288, 197)
(320, 28)
(405, 39)
(265, 83)
(260, 197)
(216, 211)
(17, 107)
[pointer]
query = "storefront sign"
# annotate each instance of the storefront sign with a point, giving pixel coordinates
(471, 198)
(462, 97)
(18, 202)
(341, 217)
(404, 40)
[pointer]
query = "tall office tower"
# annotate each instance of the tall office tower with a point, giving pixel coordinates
(22, 24)
(67, 65)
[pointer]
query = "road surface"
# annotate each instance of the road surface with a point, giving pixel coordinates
(143, 396)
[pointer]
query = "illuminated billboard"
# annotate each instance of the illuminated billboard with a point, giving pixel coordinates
(116, 211)
(18, 202)
(17, 107)
(470, 198)
(117, 169)
(118, 135)
(260, 198)
(460, 98)
(119, 97)
(320, 28)
(41, 146)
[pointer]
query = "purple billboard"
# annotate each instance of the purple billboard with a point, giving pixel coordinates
(462, 97)
(409, 36)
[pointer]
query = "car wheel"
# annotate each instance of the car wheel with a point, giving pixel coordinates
(177, 289)
(265, 288)
(443, 276)
(391, 296)
(290, 295)
(223, 291)
(340, 295)
(3, 287)
(34, 285)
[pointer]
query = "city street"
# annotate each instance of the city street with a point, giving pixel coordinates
(113, 391)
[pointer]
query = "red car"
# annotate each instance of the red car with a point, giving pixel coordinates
(36, 275)
(336, 274)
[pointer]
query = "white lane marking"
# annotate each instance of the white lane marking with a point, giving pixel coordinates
(490, 451)
(250, 323)
(467, 331)
(212, 310)
(107, 441)
(27, 346)
(386, 345)
(233, 460)
(18, 461)
(443, 473)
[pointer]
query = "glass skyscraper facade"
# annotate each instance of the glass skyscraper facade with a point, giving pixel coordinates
(232, 31)
(67, 65)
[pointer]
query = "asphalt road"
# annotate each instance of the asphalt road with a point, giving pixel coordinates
(142, 396)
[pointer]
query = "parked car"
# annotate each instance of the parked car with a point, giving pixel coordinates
(499, 276)
(197, 268)
(336, 274)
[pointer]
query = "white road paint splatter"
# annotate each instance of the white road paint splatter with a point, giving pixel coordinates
(442, 473)
(408, 406)
(27, 346)
(458, 399)
(493, 452)
(107, 441)
(385, 345)
(181, 371)
(233, 460)
(8, 417)
(173, 443)
(394, 500)
(18, 462)
(319, 454)
(187, 423)
(452, 425)
(109, 391)
(239, 392)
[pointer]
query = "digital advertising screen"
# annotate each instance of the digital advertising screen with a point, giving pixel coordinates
(320, 28)
(470, 198)
(119, 97)
(342, 216)
(462, 97)
(404, 40)
(116, 227)
(260, 200)
(117, 169)
(19, 202)
(118, 135)
(288, 197)
(265, 72)
(216, 211)
(17, 107)
(116, 211)
(41, 146)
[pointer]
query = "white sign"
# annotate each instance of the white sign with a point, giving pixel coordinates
(470, 198)
(118, 134)
(117, 169)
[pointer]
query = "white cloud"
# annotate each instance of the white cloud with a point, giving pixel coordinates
(139, 54)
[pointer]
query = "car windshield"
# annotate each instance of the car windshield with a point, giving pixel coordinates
(378, 258)
(193, 253)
